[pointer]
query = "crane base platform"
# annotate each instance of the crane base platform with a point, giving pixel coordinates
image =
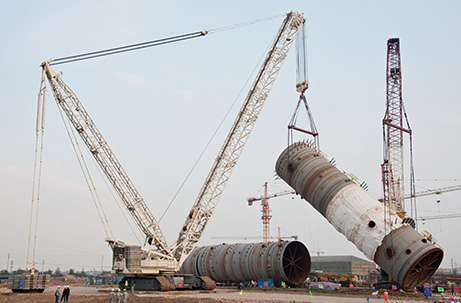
(166, 282)
(28, 283)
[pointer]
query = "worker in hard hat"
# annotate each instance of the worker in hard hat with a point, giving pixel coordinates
(119, 296)
(125, 296)
(57, 294)
(111, 296)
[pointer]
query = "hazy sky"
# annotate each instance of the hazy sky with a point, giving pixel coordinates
(158, 108)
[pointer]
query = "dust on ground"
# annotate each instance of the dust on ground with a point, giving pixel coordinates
(97, 298)
(97, 295)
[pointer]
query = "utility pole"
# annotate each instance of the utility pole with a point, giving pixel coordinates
(8, 262)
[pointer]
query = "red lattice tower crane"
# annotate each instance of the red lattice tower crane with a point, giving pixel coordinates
(266, 210)
(393, 129)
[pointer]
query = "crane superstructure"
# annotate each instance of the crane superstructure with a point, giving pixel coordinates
(156, 256)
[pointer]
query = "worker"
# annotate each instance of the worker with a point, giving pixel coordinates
(68, 293)
(386, 296)
(125, 296)
(111, 296)
(65, 294)
(119, 296)
(57, 294)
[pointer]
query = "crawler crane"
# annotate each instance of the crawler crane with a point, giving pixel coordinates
(154, 266)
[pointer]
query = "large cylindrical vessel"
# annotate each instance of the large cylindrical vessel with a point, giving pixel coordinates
(378, 232)
(283, 261)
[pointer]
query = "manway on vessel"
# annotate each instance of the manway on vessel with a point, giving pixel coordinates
(407, 256)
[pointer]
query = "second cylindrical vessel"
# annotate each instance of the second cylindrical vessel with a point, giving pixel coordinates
(282, 261)
(378, 232)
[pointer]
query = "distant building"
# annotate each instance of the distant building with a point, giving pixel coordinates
(346, 265)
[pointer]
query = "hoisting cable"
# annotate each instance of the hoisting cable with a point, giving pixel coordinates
(413, 210)
(229, 27)
(301, 87)
(214, 134)
(137, 46)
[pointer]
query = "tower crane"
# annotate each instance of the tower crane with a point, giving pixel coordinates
(153, 266)
(265, 209)
(437, 191)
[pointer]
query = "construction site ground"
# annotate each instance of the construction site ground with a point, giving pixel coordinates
(81, 294)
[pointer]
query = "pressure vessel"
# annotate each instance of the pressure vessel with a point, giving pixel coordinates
(377, 231)
(282, 261)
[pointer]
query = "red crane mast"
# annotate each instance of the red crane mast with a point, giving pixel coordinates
(266, 210)
(393, 129)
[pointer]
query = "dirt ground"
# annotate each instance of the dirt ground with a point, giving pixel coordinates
(98, 298)
(90, 294)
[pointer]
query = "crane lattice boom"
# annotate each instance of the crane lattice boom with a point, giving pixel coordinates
(393, 166)
(104, 156)
(224, 164)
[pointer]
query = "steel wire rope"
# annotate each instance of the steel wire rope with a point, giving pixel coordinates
(310, 229)
(229, 27)
(152, 43)
(39, 177)
(114, 197)
(100, 209)
(122, 49)
(413, 207)
(436, 179)
(215, 132)
(259, 190)
(86, 175)
(38, 124)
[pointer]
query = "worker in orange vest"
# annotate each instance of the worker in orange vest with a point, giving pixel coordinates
(386, 296)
